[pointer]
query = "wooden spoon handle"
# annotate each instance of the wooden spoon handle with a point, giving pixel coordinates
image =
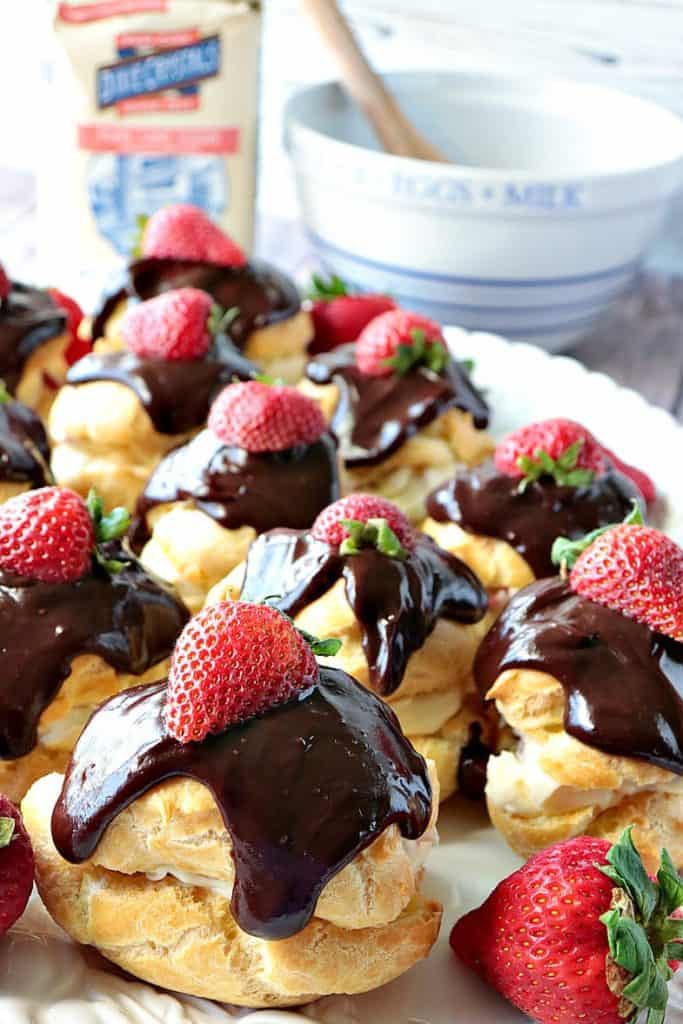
(393, 129)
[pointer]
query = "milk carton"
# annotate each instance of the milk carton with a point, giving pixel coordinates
(157, 103)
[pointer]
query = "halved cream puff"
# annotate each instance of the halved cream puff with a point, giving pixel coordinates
(592, 688)
(406, 413)
(266, 459)
(410, 617)
(264, 817)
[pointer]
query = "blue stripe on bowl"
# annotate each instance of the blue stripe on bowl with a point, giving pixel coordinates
(487, 282)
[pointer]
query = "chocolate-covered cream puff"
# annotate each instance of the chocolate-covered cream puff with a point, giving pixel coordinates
(410, 617)
(38, 341)
(406, 413)
(546, 480)
(80, 620)
(24, 448)
(264, 816)
(131, 401)
(588, 673)
(266, 459)
(182, 248)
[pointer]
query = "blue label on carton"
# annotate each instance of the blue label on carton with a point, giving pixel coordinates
(166, 69)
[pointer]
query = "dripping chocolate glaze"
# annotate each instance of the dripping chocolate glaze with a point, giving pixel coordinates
(376, 415)
(474, 759)
(302, 789)
(483, 500)
(395, 602)
(236, 488)
(28, 318)
(260, 293)
(24, 447)
(128, 619)
(623, 683)
(176, 394)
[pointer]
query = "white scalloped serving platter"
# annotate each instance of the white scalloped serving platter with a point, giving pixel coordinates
(47, 979)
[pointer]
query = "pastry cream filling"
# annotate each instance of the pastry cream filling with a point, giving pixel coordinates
(518, 784)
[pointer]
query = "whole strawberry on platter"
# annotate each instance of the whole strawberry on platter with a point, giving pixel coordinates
(587, 670)
(80, 620)
(580, 933)
(262, 814)
(340, 314)
(265, 460)
(548, 479)
(134, 399)
(181, 247)
(39, 340)
(405, 412)
(409, 617)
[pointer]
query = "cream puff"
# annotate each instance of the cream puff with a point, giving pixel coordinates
(266, 459)
(80, 620)
(24, 448)
(130, 402)
(406, 413)
(38, 341)
(182, 248)
(546, 480)
(588, 674)
(410, 617)
(263, 816)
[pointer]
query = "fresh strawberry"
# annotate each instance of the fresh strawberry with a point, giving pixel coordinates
(233, 661)
(77, 347)
(16, 865)
(46, 535)
(171, 326)
(558, 448)
(566, 451)
(363, 520)
(5, 285)
(184, 232)
(635, 570)
(51, 534)
(642, 481)
(579, 934)
(265, 418)
(397, 341)
(339, 315)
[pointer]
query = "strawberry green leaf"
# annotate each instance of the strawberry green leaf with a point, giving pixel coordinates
(376, 533)
(420, 352)
(324, 289)
(562, 470)
(326, 648)
(110, 526)
(641, 934)
(7, 826)
(140, 225)
(565, 553)
(5, 396)
(468, 365)
(220, 319)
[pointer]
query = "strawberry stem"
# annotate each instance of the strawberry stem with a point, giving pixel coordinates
(376, 533)
(107, 527)
(641, 932)
(323, 289)
(7, 826)
(220, 319)
(565, 552)
(421, 352)
(326, 648)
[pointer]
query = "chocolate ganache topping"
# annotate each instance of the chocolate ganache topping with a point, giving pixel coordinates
(302, 789)
(176, 394)
(376, 415)
(623, 682)
(129, 619)
(396, 602)
(483, 500)
(24, 447)
(28, 318)
(239, 488)
(259, 293)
